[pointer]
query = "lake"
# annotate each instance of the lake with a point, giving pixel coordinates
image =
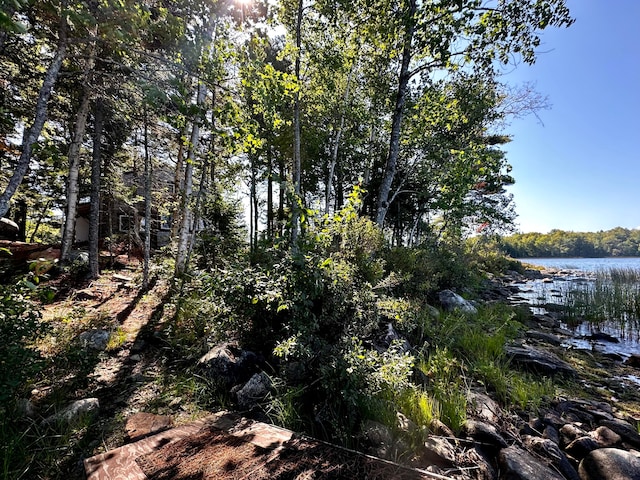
(585, 264)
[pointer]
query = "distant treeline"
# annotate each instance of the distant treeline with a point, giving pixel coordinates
(618, 242)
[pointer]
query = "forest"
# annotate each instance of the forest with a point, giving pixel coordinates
(617, 242)
(304, 174)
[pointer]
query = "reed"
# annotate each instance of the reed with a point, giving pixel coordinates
(612, 298)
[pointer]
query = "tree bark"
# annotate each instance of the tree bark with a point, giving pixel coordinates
(147, 204)
(31, 134)
(396, 123)
(94, 213)
(297, 163)
(187, 193)
(73, 189)
(336, 144)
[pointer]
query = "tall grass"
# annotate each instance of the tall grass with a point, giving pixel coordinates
(613, 298)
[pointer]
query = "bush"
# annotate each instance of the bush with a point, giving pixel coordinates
(20, 327)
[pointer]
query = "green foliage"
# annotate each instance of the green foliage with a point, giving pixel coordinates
(20, 327)
(618, 242)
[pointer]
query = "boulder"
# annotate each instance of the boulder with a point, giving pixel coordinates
(539, 361)
(229, 364)
(628, 433)
(633, 361)
(518, 464)
(581, 447)
(94, 339)
(9, 229)
(569, 432)
(551, 451)
(75, 412)
(484, 433)
(610, 464)
(483, 407)
(438, 451)
(254, 391)
(605, 437)
(377, 434)
(451, 301)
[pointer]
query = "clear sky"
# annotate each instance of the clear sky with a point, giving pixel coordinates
(580, 169)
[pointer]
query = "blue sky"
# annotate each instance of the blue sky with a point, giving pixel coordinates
(580, 169)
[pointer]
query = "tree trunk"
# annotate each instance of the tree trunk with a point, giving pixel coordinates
(73, 189)
(270, 228)
(31, 134)
(396, 123)
(186, 211)
(94, 214)
(147, 204)
(336, 144)
(282, 187)
(297, 164)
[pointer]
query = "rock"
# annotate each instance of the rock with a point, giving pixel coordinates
(451, 301)
(483, 407)
(544, 337)
(480, 467)
(547, 320)
(569, 432)
(404, 424)
(438, 451)
(605, 437)
(605, 337)
(75, 412)
(610, 464)
(518, 464)
(628, 433)
(550, 432)
(9, 229)
(25, 408)
(229, 364)
(254, 391)
(143, 424)
(581, 447)
(550, 450)
(484, 433)
(394, 338)
(539, 361)
(633, 361)
(94, 339)
(377, 434)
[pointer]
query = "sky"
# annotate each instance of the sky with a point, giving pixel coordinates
(577, 167)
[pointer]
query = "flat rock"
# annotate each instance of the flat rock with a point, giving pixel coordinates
(538, 360)
(143, 424)
(439, 451)
(610, 464)
(544, 337)
(483, 407)
(518, 464)
(94, 339)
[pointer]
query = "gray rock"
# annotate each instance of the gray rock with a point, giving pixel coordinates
(77, 411)
(254, 391)
(484, 433)
(94, 339)
(518, 464)
(581, 447)
(544, 337)
(605, 437)
(628, 433)
(229, 364)
(405, 424)
(439, 451)
(569, 432)
(610, 464)
(392, 337)
(550, 432)
(538, 360)
(451, 301)
(25, 408)
(377, 434)
(483, 407)
(548, 449)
